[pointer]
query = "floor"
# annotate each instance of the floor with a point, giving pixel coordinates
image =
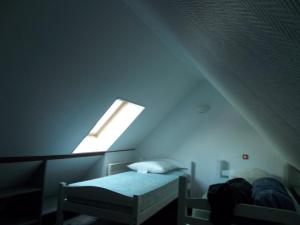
(83, 220)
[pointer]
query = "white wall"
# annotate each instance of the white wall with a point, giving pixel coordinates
(69, 171)
(205, 138)
(100, 169)
(63, 68)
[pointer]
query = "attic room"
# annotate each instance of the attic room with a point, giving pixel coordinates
(140, 112)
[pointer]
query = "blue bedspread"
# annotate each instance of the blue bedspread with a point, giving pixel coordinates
(270, 192)
(132, 183)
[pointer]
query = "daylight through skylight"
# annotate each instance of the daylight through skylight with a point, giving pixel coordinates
(110, 127)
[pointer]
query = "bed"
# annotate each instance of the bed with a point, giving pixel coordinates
(128, 197)
(201, 210)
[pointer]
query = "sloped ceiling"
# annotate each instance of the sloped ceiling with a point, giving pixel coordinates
(249, 50)
(63, 63)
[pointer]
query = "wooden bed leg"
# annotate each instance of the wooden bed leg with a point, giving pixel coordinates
(60, 200)
(181, 212)
(135, 211)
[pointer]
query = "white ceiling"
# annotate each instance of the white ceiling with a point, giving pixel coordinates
(63, 64)
(248, 49)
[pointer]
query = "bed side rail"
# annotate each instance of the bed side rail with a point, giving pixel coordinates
(65, 202)
(287, 217)
(97, 194)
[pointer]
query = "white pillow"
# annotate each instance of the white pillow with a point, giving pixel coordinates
(159, 166)
(249, 175)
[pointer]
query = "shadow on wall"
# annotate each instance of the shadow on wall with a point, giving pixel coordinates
(206, 138)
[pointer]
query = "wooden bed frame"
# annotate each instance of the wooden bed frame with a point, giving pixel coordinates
(287, 217)
(131, 215)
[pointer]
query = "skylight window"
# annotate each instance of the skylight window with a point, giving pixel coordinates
(110, 127)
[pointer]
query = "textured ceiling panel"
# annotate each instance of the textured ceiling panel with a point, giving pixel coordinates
(267, 31)
(250, 51)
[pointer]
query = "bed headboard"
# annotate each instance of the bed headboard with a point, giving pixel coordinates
(292, 175)
(114, 168)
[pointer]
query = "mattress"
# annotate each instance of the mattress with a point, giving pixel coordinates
(204, 214)
(149, 187)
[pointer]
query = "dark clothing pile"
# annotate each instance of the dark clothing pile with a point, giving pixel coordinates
(223, 198)
(267, 192)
